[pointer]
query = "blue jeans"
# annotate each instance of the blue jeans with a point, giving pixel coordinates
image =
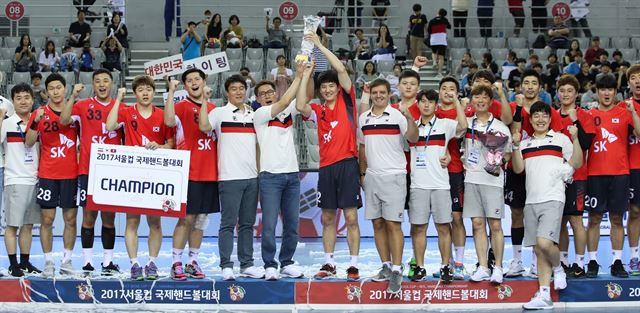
(238, 205)
(279, 193)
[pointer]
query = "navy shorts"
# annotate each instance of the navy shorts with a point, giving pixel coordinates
(339, 185)
(202, 197)
(53, 193)
(607, 193)
(456, 184)
(515, 193)
(574, 202)
(634, 187)
(81, 197)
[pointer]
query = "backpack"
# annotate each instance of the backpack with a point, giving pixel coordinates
(254, 43)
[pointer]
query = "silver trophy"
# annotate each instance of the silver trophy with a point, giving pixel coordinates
(311, 23)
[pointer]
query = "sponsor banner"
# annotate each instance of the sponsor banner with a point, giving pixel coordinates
(457, 292)
(602, 289)
(12, 291)
(165, 292)
(137, 180)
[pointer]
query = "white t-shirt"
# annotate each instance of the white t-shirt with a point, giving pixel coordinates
(275, 137)
(21, 163)
(383, 139)
(475, 154)
(426, 171)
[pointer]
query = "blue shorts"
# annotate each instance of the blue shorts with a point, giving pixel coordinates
(339, 185)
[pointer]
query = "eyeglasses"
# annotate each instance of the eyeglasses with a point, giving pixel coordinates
(267, 93)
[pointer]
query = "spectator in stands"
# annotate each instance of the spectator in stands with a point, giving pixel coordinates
(40, 96)
(516, 9)
(594, 52)
(86, 57)
(437, 29)
(512, 57)
(618, 61)
(246, 74)
(515, 76)
(585, 76)
(282, 76)
(539, 15)
(213, 31)
(394, 79)
(462, 69)
(79, 32)
(460, 9)
(354, 12)
(417, 27)
(553, 69)
(605, 70)
(622, 79)
(465, 82)
(544, 95)
(369, 73)
(206, 20)
(190, 42)
(558, 34)
(68, 60)
(112, 49)
(589, 98)
(570, 54)
(277, 37)
(485, 17)
(49, 59)
(574, 67)
(355, 41)
(579, 12)
(384, 45)
(25, 56)
(119, 29)
(533, 60)
(489, 64)
(380, 12)
(170, 8)
(234, 35)
(363, 51)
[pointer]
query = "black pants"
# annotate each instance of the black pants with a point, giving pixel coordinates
(460, 23)
(518, 18)
(539, 19)
(578, 25)
(485, 21)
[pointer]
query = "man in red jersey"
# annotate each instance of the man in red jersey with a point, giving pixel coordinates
(608, 181)
(633, 223)
(338, 183)
(57, 172)
(91, 114)
(499, 108)
(202, 198)
(573, 115)
(143, 126)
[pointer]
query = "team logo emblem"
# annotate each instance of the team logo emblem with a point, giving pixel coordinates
(85, 292)
(614, 290)
(615, 120)
(156, 129)
(353, 292)
(134, 116)
(504, 291)
(608, 136)
(236, 293)
(168, 205)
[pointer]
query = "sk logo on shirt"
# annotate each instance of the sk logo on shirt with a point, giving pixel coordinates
(112, 134)
(65, 141)
(601, 146)
(327, 137)
(609, 136)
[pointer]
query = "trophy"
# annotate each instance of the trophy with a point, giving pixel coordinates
(306, 49)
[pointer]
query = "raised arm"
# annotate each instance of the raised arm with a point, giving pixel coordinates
(32, 133)
(576, 157)
(291, 92)
(364, 100)
(112, 119)
(169, 106)
(302, 100)
(412, 135)
(65, 115)
(634, 116)
(203, 117)
(506, 116)
(460, 117)
(516, 156)
(336, 64)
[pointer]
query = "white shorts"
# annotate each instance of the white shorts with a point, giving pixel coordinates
(385, 196)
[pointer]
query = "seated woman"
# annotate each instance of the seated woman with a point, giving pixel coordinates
(214, 31)
(25, 57)
(49, 59)
(368, 74)
(234, 35)
(384, 45)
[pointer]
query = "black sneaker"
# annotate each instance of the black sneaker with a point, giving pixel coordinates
(88, 268)
(567, 269)
(445, 274)
(111, 269)
(15, 271)
(577, 271)
(418, 274)
(28, 268)
(592, 269)
(617, 270)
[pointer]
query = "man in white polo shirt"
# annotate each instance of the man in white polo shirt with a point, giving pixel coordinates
(548, 158)
(382, 131)
(237, 176)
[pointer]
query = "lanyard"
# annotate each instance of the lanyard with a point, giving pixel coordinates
(473, 129)
(435, 119)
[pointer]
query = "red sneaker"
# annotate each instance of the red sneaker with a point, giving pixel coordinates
(177, 272)
(353, 274)
(326, 271)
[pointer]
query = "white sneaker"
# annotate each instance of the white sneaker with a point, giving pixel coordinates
(291, 271)
(533, 271)
(496, 276)
(253, 272)
(515, 269)
(559, 279)
(271, 274)
(481, 273)
(227, 274)
(538, 303)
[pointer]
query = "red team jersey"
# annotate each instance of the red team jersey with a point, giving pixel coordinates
(455, 166)
(337, 128)
(609, 153)
(495, 109)
(527, 129)
(203, 146)
(414, 110)
(138, 131)
(634, 141)
(92, 117)
(586, 121)
(57, 146)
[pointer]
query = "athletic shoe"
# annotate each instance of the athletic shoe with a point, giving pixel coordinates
(412, 266)
(49, 269)
(136, 272)
(533, 271)
(193, 270)
(565, 268)
(66, 268)
(177, 272)
(326, 271)
(227, 274)
(418, 274)
(592, 269)
(28, 268)
(291, 271)
(458, 271)
(15, 271)
(634, 267)
(515, 269)
(577, 271)
(559, 280)
(151, 271)
(496, 275)
(87, 269)
(271, 274)
(617, 270)
(481, 273)
(252, 272)
(538, 303)
(353, 274)
(110, 270)
(395, 282)
(445, 274)
(383, 274)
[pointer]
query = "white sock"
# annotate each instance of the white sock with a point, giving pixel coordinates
(193, 254)
(354, 261)
(328, 259)
(88, 254)
(634, 252)
(558, 269)
(396, 268)
(107, 256)
(617, 255)
(67, 255)
(517, 252)
(564, 257)
(177, 255)
(545, 292)
(151, 259)
(593, 255)
(459, 255)
(48, 256)
(387, 263)
(580, 260)
(134, 261)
